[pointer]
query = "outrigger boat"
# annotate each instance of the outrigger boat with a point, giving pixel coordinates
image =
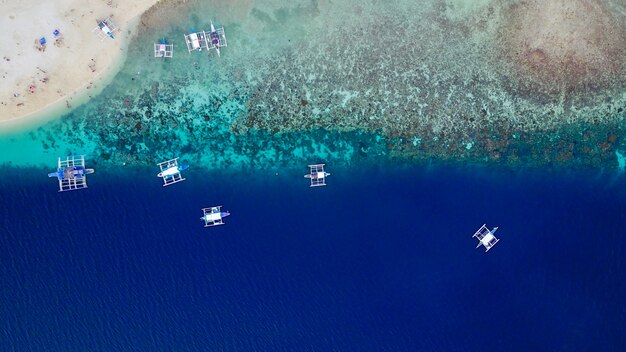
(216, 36)
(163, 50)
(213, 216)
(71, 173)
(105, 29)
(170, 171)
(486, 237)
(317, 174)
(196, 41)
(215, 39)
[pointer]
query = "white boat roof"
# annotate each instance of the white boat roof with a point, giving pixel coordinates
(488, 238)
(171, 171)
(213, 216)
(193, 40)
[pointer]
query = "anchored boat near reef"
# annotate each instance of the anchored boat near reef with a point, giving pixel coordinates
(71, 173)
(163, 50)
(196, 41)
(317, 175)
(170, 172)
(215, 39)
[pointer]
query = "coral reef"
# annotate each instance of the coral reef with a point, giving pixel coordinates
(434, 80)
(571, 45)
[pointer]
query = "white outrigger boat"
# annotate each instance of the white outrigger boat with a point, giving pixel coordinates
(215, 39)
(163, 50)
(71, 173)
(105, 29)
(213, 216)
(196, 41)
(170, 172)
(486, 237)
(317, 174)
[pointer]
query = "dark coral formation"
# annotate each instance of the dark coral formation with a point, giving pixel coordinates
(410, 82)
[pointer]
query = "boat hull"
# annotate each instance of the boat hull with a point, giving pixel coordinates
(172, 171)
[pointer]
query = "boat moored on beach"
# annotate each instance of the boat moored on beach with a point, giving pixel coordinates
(105, 29)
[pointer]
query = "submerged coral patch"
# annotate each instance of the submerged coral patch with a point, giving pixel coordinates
(565, 45)
(499, 81)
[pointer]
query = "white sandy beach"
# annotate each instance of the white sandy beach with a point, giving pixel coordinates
(38, 82)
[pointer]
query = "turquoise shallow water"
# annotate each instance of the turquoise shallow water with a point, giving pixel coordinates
(343, 82)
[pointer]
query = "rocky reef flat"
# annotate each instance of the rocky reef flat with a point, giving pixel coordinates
(530, 83)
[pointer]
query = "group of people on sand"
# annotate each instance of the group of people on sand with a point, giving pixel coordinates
(40, 45)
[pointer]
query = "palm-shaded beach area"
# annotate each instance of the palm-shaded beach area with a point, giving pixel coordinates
(489, 81)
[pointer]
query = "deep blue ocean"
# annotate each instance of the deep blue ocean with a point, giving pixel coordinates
(379, 260)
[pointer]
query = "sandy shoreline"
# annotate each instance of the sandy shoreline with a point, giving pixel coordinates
(40, 82)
